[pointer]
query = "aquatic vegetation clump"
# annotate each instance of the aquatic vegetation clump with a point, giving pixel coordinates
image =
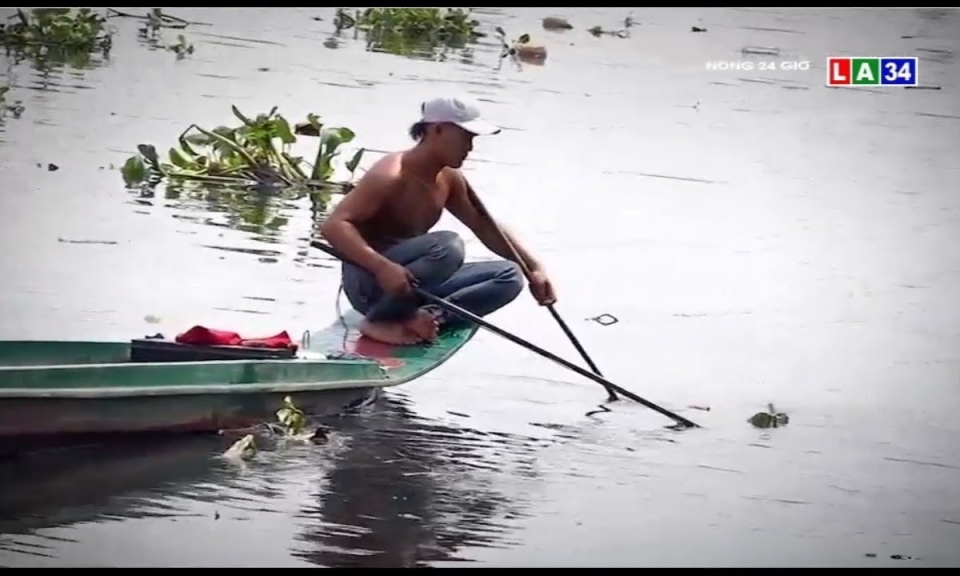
(432, 23)
(769, 419)
(182, 47)
(402, 30)
(155, 20)
(257, 152)
(57, 28)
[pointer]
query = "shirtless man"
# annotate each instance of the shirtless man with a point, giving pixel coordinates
(383, 225)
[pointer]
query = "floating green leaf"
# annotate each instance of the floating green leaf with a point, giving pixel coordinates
(769, 419)
(180, 160)
(291, 418)
(149, 154)
(238, 114)
(282, 129)
(330, 140)
(355, 161)
(133, 170)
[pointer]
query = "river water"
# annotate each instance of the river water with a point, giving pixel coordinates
(761, 238)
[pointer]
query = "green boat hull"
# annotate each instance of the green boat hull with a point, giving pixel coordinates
(53, 389)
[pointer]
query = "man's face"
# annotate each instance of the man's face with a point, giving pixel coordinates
(454, 144)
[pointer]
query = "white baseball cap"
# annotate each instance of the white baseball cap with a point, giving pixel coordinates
(462, 111)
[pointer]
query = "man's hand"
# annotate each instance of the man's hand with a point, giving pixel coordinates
(396, 280)
(541, 288)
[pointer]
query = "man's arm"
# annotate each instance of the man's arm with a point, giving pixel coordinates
(462, 206)
(359, 204)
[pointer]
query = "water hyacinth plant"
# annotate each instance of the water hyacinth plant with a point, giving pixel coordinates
(255, 153)
(402, 30)
(432, 23)
(60, 28)
(52, 37)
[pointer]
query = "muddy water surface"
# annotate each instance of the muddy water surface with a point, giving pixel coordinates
(761, 238)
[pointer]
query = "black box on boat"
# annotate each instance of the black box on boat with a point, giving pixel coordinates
(150, 350)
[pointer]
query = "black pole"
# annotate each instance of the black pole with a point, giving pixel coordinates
(526, 270)
(516, 340)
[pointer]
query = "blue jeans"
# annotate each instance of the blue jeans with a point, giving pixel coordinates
(436, 261)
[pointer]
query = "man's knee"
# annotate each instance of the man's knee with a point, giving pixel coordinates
(447, 246)
(510, 278)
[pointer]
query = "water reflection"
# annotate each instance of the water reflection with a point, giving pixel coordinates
(405, 491)
(389, 489)
(260, 212)
(42, 70)
(49, 71)
(264, 213)
(10, 106)
(400, 45)
(81, 484)
(49, 61)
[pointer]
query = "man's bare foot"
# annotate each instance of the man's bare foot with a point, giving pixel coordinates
(423, 324)
(393, 333)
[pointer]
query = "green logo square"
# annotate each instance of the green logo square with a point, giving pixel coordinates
(866, 71)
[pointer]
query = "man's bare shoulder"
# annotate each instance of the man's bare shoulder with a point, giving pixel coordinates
(388, 167)
(373, 188)
(454, 179)
(385, 172)
(378, 182)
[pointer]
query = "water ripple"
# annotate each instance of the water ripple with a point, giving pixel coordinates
(390, 489)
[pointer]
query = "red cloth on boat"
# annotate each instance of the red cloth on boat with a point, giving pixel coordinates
(281, 340)
(203, 336)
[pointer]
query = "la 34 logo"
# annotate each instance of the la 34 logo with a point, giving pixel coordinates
(872, 71)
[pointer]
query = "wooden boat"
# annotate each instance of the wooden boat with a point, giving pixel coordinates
(50, 390)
